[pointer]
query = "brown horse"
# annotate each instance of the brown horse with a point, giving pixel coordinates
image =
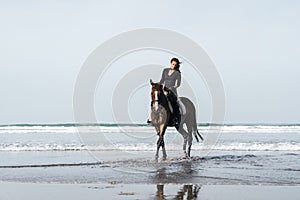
(160, 115)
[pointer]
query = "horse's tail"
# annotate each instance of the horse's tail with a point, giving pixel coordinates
(195, 129)
(197, 133)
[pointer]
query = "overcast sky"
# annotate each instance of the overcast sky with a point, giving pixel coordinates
(254, 44)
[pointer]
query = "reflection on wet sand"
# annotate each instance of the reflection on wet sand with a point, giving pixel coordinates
(188, 192)
(176, 173)
(183, 172)
(160, 192)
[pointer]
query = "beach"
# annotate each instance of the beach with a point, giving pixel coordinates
(87, 88)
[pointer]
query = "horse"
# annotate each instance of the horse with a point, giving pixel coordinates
(160, 116)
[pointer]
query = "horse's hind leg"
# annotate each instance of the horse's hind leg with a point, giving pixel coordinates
(184, 134)
(190, 139)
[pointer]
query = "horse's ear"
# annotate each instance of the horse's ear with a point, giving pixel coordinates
(151, 82)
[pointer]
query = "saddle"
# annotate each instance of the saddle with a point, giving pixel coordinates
(182, 108)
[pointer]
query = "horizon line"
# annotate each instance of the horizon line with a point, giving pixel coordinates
(145, 124)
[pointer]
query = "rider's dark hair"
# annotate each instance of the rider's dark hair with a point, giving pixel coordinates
(177, 63)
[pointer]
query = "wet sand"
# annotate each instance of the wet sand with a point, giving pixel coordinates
(114, 190)
(220, 168)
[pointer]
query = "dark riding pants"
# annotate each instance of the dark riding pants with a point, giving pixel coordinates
(173, 100)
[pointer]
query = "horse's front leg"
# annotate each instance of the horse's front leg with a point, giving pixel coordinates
(161, 142)
(163, 128)
(156, 155)
(157, 145)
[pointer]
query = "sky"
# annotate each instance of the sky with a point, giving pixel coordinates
(254, 45)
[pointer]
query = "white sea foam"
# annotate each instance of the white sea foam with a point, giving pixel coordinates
(143, 138)
(151, 147)
(118, 129)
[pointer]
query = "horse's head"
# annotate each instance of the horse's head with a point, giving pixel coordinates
(156, 93)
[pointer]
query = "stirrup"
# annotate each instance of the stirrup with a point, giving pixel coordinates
(176, 122)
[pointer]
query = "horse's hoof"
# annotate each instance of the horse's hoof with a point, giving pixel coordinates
(164, 158)
(184, 155)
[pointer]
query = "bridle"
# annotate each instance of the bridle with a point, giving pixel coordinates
(155, 102)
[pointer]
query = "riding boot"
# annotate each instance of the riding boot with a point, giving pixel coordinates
(176, 116)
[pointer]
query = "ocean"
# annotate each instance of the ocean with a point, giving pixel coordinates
(247, 154)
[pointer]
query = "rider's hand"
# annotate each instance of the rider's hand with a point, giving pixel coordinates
(166, 93)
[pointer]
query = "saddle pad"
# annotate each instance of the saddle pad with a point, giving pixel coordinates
(182, 107)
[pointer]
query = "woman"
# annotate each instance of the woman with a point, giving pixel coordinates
(171, 78)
